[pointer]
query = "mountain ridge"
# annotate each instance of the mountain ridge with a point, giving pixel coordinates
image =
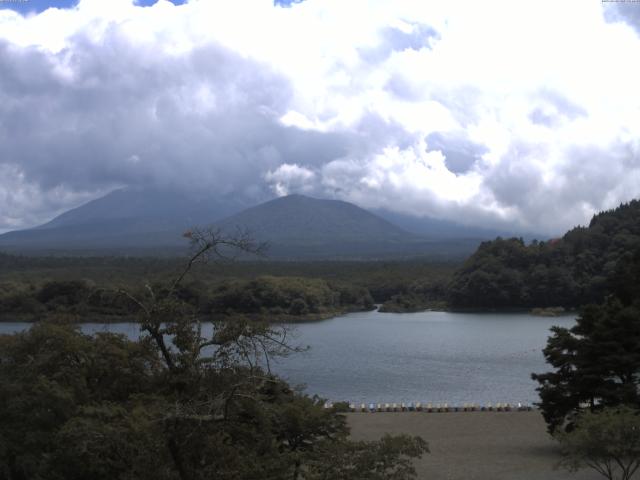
(296, 227)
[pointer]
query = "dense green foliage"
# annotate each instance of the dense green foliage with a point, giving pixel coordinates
(63, 392)
(74, 300)
(575, 270)
(288, 296)
(597, 362)
(74, 406)
(176, 404)
(608, 441)
(272, 298)
(417, 296)
(34, 287)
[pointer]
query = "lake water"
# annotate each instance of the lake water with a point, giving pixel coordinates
(428, 356)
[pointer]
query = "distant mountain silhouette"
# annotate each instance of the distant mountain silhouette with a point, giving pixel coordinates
(122, 219)
(296, 227)
(160, 208)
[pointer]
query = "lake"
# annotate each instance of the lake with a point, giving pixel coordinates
(432, 357)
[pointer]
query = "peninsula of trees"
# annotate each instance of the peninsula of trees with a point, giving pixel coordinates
(580, 268)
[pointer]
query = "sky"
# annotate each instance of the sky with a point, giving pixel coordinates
(508, 114)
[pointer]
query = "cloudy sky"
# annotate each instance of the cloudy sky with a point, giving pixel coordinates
(497, 113)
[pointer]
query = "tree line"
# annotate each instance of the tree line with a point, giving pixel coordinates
(86, 289)
(269, 297)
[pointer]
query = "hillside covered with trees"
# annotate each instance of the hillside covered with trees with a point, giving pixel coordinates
(577, 269)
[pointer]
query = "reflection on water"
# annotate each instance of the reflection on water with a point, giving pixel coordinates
(428, 356)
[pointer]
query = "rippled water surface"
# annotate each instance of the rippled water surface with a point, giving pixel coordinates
(428, 356)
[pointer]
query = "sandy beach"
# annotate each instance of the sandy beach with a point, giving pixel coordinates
(474, 446)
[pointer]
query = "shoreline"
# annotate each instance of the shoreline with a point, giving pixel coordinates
(73, 318)
(275, 318)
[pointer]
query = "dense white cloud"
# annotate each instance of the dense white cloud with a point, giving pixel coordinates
(494, 113)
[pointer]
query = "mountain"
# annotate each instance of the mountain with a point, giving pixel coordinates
(298, 226)
(122, 221)
(154, 206)
(152, 222)
(299, 219)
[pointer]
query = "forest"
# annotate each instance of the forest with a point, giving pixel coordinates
(87, 289)
(580, 268)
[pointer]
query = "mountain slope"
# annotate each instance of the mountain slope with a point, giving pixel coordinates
(122, 219)
(152, 205)
(297, 226)
(299, 219)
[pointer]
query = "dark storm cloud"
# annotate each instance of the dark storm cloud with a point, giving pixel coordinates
(101, 115)
(460, 153)
(151, 98)
(95, 116)
(517, 183)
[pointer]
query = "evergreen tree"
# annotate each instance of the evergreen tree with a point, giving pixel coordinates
(597, 362)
